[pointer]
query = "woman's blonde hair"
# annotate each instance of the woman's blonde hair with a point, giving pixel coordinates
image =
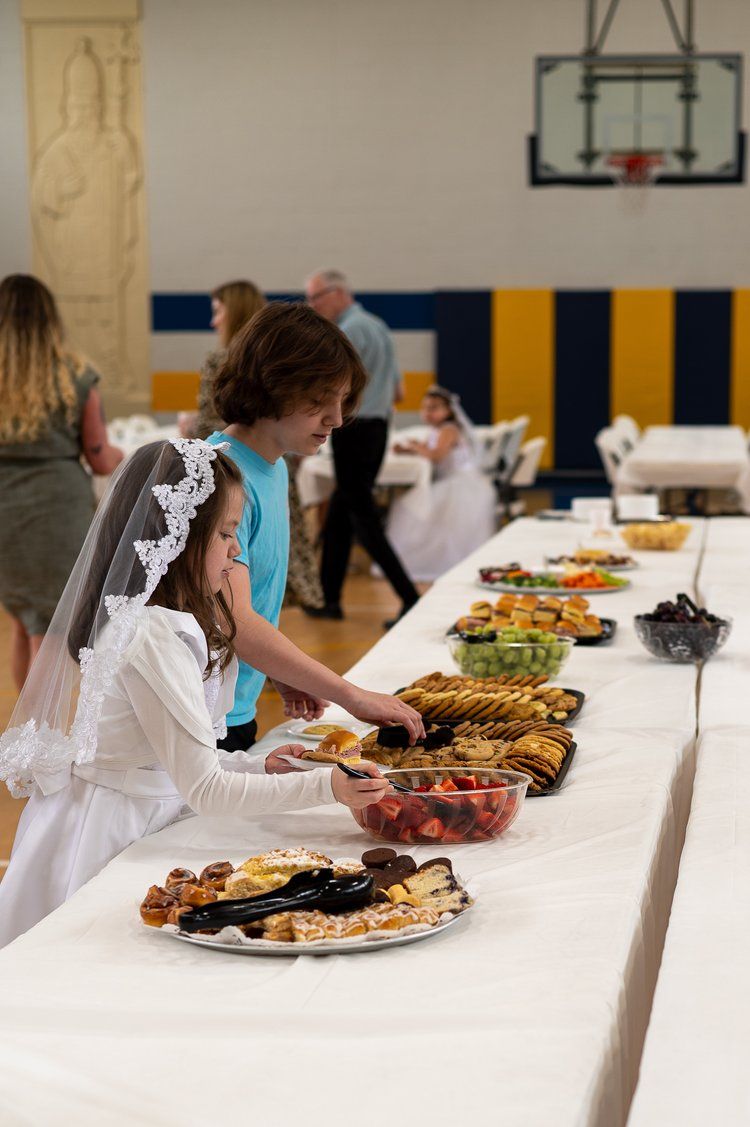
(36, 370)
(242, 300)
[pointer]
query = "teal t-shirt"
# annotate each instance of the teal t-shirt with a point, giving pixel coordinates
(263, 537)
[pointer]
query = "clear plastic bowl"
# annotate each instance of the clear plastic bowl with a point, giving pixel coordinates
(682, 641)
(668, 536)
(449, 817)
(490, 659)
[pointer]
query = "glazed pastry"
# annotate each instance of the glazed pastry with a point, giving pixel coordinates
(196, 895)
(157, 905)
(176, 913)
(215, 876)
(180, 876)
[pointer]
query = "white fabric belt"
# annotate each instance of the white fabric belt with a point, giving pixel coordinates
(138, 782)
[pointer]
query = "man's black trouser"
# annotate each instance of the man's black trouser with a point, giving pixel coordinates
(358, 451)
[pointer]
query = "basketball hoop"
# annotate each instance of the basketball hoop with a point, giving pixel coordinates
(636, 171)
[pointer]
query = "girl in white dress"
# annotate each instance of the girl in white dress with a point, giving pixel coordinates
(431, 532)
(114, 735)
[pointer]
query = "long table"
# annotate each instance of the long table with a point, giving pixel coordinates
(694, 1065)
(699, 457)
(532, 1010)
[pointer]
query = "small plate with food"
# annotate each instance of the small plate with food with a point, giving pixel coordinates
(339, 746)
(316, 730)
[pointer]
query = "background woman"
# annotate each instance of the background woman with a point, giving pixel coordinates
(232, 306)
(458, 514)
(51, 415)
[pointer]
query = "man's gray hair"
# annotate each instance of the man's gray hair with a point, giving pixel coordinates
(333, 278)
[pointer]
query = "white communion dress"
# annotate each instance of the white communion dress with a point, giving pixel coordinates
(434, 530)
(156, 759)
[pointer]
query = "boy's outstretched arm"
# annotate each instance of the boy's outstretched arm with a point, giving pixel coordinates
(261, 645)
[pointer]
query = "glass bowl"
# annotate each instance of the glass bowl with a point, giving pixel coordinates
(682, 641)
(453, 816)
(489, 659)
(667, 536)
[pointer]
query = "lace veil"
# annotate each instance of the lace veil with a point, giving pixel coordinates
(139, 528)
(463, 422)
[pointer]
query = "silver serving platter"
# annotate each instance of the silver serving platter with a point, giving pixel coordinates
(324, 947)
(511, 589)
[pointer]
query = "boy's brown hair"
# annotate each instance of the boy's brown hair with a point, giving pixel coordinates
(183, 586)
(287, 356)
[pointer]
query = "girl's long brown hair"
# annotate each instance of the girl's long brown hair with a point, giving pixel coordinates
(184, 586)
(242, 300)
(35, 367)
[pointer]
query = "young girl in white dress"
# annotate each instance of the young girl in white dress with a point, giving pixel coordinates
(430, 533)
(114, 735)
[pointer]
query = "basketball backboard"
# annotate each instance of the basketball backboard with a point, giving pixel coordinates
(594, 112)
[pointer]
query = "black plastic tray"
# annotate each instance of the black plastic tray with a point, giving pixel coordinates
(554, 788)
(609, 627)
(580, 697)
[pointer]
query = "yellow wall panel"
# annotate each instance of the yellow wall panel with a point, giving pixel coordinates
(523, 361)
(739, 406)
(642, 355)
(174, 391)
(415, 385)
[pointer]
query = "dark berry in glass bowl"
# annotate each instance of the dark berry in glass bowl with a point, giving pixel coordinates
(681, 631)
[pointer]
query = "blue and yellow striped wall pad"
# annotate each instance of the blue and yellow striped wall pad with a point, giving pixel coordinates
(570, 359)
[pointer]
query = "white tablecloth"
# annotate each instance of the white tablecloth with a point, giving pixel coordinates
(531, 1012)
(695, 1063)
(690, 457)
(316, 476)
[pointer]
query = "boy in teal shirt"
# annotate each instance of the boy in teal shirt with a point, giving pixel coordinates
(289, 379)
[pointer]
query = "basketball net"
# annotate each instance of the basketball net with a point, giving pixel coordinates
(636, 172)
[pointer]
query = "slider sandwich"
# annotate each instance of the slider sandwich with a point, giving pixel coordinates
(338, 747)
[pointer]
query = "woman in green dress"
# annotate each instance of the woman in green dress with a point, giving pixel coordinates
(51, 416)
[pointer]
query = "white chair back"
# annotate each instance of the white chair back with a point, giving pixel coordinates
(609, 443)
(512, 449)
(628, 428)
(528, 463)
(492, 446)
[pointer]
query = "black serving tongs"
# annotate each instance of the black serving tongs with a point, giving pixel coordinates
(354, 774)
(315, 889)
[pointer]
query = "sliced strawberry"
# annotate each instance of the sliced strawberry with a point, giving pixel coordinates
(447, 786)
(390, 807)
(465, 782)
(433, 828)
(453, 837)
(406, 836)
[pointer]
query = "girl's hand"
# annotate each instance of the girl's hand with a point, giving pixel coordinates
(381, 709)
(357, 793)
(276, 766)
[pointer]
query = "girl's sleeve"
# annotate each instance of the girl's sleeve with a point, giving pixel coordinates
(163, 682)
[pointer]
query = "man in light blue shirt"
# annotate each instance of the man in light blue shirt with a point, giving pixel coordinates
(359, 448)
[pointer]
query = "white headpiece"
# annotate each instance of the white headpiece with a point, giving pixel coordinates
(54, 723)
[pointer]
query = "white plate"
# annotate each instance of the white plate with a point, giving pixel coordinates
(510, 588)
(322, 947)
(617, 567)
(296, 729)
(311, 764)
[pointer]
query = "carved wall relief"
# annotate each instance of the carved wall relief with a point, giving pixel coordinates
(87, 192)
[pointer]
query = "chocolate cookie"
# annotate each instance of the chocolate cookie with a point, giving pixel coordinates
(377, 858)
(402, 865)
(436, 861)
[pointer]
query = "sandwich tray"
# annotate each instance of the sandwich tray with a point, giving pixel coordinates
(609, 628)
(556, 786)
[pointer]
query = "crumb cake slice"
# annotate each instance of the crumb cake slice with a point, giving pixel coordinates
(436, 887)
